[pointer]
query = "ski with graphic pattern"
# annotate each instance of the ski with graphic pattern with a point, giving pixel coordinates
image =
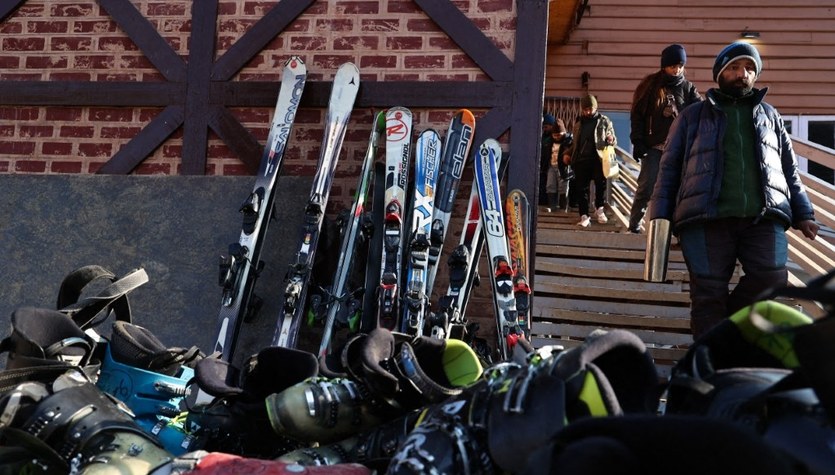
(518, 216)
(239, 269)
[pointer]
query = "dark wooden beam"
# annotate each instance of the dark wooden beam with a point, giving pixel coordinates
(472, 41)
(236, 137)
(528, 96)
(145, 142)
(8, 7)
(86, 93)
(147, 38)
(201, 55)
(445, 94)
(257, 37)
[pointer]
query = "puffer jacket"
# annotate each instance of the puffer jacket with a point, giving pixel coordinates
(690, 174)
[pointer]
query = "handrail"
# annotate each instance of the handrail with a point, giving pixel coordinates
(808, 258)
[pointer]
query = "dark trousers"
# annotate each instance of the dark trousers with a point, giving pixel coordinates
(646, 182)
(711, 250)
(584, 172)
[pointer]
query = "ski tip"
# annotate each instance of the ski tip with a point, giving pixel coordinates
(295, 62)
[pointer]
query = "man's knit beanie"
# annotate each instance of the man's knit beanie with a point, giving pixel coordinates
(734, 51)
(673, 55)
(588, 101)
(547, 119)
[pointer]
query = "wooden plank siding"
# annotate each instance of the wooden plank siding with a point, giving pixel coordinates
(618, 42)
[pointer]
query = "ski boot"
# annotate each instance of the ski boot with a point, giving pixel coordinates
(70, 426)
(373, 448)
(151, 380)
(236, 419)
(518, 406)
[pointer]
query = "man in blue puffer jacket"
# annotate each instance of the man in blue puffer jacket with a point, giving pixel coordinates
(729, 184)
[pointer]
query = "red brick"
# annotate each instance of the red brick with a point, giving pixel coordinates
(357, 8)
(46, 62)
(56, 148)
(152, 169)
(119, 132)
(9, 62)
(227, 8)
(442, 43)
(298, 25)
(65, 167)
(46, 27)
(30, 11)
(4, 166)
(167, 9)
(378, 61)
(29, 166)
(424, 62)
(308, 43)
(20, 77)
(462, 61)
(421, 24)
(69, 114)
(71, 44)
(129, 77)
(257, 8)
(72, 10)
(377, 24)
(491, 6)
(448, 77)
(236, 25)
(117, 44)
(17, 148)
(135, 62)
(111, 114)
(23, 44)
(6, 130)
(93, 167)
(176, 26)
(404, 43)
(402, 77)
(69, 76)
(100, 26)
(28, 131)
(95, 149)
(335, 24)
(11, 28)
(19, 113)
(77, 131)
(237, 169)
(402, 7)
(329, 61)
(172, 151)
(356, 43)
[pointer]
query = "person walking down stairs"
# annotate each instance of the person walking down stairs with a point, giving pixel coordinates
(592, 132)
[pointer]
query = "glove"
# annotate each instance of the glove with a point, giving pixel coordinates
(638, 152)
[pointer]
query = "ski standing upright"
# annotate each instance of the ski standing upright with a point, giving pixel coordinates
(240, 267)
(517, 213)
(427, 154)
(348, 250)
(457, 144)
(398, 148)
(492, 219)
(344, 92)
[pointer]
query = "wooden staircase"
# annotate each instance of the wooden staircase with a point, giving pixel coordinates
(592, 278)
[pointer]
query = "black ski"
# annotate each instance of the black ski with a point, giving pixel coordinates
(239, 269)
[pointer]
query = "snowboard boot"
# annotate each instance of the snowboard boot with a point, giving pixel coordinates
(215, 463)
(43, 345)
(236, 420)
(151, 380)
(85, 430)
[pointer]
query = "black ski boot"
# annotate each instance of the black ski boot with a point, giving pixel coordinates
(236, 420)
(70, 426)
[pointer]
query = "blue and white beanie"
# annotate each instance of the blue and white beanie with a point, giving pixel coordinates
(735, 51)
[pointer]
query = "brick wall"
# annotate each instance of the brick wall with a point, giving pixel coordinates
(55, 40)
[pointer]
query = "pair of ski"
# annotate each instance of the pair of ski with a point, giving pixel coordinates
(240, 268)
(437, 175)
